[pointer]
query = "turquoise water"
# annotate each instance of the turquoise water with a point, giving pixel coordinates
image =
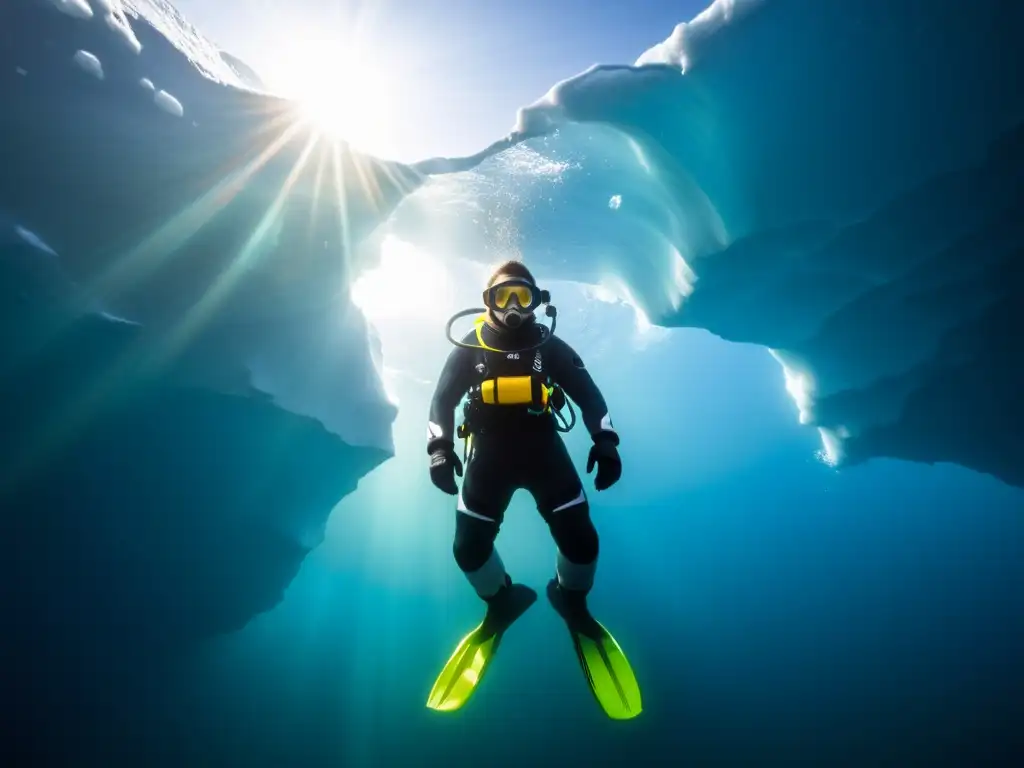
(775, 610)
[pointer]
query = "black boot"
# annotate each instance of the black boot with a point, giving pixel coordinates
(506, 605)
(571, 605)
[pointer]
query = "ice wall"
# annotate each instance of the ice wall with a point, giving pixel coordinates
(841, 183)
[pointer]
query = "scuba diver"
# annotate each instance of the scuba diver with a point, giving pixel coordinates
(517, 373)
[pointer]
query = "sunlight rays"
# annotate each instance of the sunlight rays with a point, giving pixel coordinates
(149, 254)
(281, 195)
(224, 284)
(129, 274)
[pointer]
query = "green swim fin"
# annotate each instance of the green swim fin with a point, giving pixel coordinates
(474, 653)
(605, 666)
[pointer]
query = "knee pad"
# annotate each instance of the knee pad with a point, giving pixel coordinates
(474, 542)
(575, 534)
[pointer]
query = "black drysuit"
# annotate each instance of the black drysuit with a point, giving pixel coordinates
(512, 448)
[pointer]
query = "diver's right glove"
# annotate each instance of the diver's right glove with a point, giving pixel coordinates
(605, 454)
(444, 465)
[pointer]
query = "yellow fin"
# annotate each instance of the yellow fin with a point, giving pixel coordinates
(609, 674)
(463, 671)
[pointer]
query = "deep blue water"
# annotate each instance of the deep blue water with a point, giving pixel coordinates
(777, 612)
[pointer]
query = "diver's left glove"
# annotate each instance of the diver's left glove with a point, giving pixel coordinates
(605, 455)
(444, 465)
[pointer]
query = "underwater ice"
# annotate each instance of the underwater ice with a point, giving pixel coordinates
(829, 183)
(839, 183)
(78, 8)
(89, 63)
(168, 103)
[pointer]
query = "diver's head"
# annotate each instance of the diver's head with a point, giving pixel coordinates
(512, 296)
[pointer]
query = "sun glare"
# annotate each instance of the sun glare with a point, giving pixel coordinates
(344, 93)
(409, 284)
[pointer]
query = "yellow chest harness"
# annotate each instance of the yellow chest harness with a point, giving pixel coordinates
(532, 390)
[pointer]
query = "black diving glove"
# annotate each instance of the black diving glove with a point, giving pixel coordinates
(605, 455)
(444, 465)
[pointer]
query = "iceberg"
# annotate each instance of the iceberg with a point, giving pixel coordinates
(172, 153)
(840, 186)
(188, 390)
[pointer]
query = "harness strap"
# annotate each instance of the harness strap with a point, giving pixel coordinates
(547, 385)
(479, 325)
(550, 390)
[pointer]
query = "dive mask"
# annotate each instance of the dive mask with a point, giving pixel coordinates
(512, 303)
(502, 296)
